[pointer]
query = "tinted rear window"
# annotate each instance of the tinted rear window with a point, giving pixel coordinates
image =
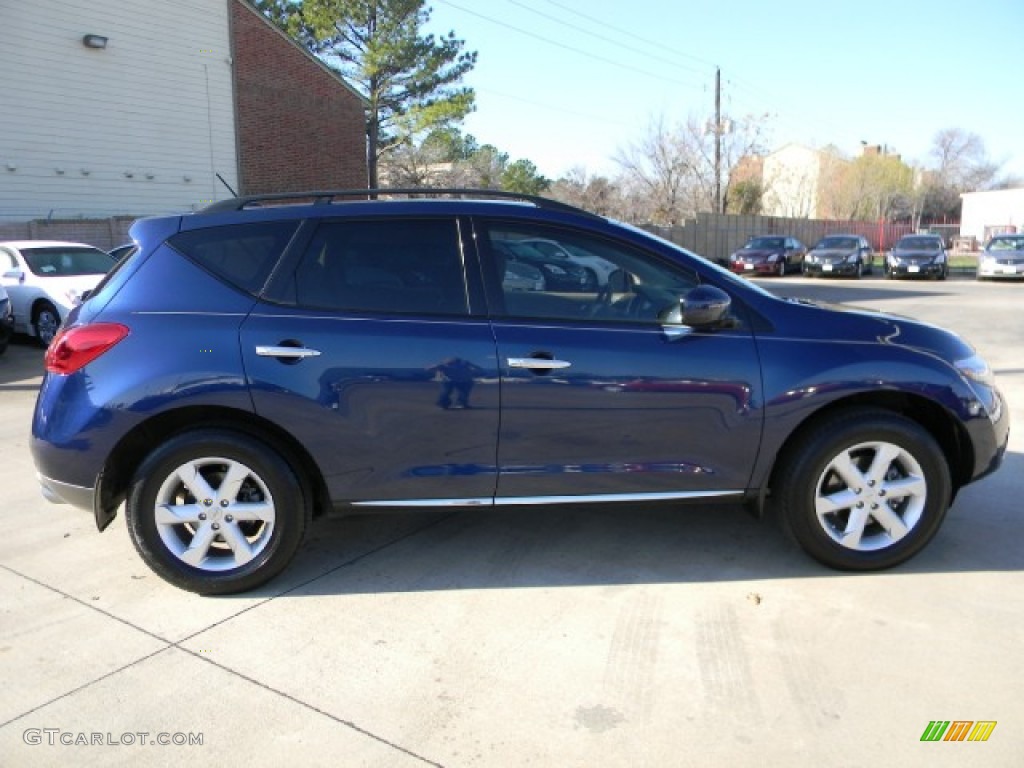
(241, 254)
(390, 265)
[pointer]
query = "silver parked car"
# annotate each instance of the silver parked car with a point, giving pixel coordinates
(1002, 257)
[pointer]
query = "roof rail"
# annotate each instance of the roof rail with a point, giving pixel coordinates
(329, 197)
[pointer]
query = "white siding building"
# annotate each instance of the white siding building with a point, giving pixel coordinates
(989, 213)
(791, 177)
(140, 126)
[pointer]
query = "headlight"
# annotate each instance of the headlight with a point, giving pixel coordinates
(773, 258)
(976, 369)
(554, 270)
(852, 258)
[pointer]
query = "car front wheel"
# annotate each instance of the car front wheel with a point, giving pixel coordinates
(865, 489)
(45, 322)
(215, 512)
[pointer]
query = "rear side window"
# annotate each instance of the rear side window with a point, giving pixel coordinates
(393, 265)
(241, 254)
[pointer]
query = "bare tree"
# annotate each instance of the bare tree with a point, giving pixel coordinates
(675, 167)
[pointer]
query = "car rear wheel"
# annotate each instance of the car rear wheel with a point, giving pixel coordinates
(215, 512)
(781, 271)
(45, 322)
(865, 489)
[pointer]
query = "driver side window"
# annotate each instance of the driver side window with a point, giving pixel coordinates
(549, 273)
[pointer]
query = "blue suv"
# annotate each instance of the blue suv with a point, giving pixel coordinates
(254, 365)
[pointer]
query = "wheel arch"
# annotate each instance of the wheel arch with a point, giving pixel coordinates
(126, 457)
(952, 439)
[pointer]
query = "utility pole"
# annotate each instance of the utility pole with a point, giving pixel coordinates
(718, 139)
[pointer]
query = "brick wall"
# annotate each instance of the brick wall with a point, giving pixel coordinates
(298, 126)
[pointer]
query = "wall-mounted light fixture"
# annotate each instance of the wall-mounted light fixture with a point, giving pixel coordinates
(129, 174)
(59, 171)
(94, 41)
(12, 167)
(85, 171)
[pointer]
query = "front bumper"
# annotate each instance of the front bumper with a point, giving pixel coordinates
(754, 268)
(827, 270)
(917, 270)
(1012, 270)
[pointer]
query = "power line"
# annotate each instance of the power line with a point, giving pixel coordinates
(579, 51)
(644, 40)
(605, 38)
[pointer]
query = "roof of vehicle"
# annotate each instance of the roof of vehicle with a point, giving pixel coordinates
(406, 194)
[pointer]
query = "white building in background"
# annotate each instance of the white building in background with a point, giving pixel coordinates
(991, 213)
(791, 178)
(113, 106)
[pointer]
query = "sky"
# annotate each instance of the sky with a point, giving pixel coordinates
(570, 83)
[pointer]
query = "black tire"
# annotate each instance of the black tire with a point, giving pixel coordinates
(808, 474)
(591, 282)
(860, 270)
(264, 484)
(781, 272)
(45, 322)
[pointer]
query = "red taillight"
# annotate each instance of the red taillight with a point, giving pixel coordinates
(79, 346)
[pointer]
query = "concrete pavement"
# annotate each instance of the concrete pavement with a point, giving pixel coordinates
(529, 637)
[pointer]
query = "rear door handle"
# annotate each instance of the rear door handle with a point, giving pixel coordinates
(537, 363)
(295, 353)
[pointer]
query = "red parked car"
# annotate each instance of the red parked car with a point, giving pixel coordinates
(772, 255)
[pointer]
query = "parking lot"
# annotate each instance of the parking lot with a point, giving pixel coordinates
(532, 636)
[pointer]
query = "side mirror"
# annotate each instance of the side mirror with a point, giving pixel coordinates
(703, 308)
(14, 274)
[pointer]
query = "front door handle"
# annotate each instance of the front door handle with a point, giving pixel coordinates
(537, 363)
(295, 353)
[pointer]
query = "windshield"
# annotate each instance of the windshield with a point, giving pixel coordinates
(65, 261)
(837, 242)
(1007, 244)
(765, 242)
(919, 243)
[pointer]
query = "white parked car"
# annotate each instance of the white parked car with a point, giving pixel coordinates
(45, 279)
(597, 268)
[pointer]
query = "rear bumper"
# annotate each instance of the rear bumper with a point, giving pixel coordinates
(64, 493)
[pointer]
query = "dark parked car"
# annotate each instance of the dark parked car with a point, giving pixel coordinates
(559, 273)
(840, 255)
(918, 256)
(769, 256)
(364, 355)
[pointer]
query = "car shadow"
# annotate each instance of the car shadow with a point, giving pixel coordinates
(845, 291)
(533, 547)
(21, 365)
